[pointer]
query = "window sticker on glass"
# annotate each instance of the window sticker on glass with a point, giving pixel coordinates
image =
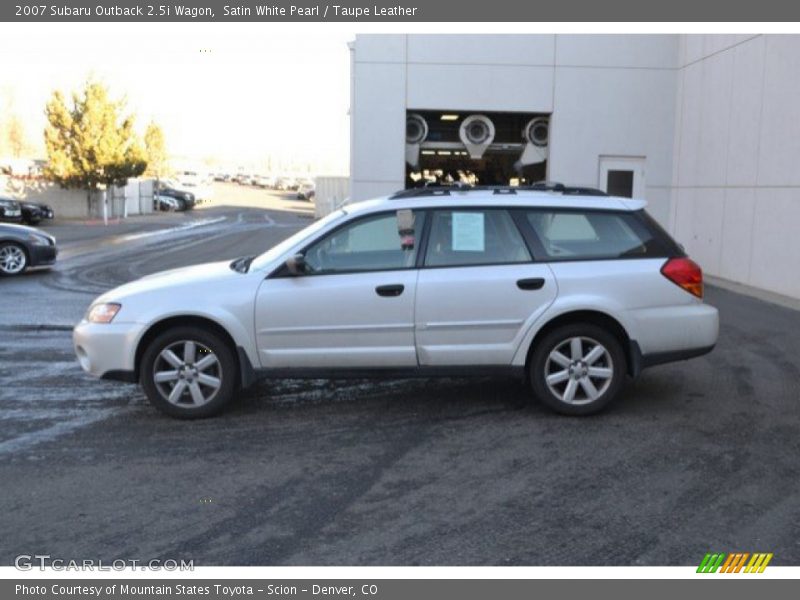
(468, 232)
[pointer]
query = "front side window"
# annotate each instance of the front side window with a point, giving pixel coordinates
(474, 237)
(377, 243)
(576, 235)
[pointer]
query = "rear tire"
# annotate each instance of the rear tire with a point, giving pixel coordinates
(189, 373)
(577, 369)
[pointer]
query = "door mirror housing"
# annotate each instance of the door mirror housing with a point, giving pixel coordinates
(296, 265)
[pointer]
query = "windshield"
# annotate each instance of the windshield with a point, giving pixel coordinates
(276, 251)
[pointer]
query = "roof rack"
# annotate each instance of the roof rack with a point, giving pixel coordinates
(539, 186)
(423, 191)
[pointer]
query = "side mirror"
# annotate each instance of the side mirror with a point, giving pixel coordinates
(296, 264)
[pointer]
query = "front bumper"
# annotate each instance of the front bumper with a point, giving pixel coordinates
(107, 349)
(42, 255)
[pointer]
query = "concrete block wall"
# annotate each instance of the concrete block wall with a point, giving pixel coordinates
(135, 198)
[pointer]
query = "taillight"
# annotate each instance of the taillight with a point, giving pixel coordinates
(685, 273)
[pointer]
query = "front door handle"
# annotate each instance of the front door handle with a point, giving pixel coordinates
(390, 290)
(533, 283)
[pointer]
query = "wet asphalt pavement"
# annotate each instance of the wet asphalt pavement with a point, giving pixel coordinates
(696, 456)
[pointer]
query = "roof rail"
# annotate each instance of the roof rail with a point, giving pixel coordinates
(567, 190)
(539, 186)
(423, 191)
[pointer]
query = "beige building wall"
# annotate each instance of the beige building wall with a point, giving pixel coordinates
(736, 175)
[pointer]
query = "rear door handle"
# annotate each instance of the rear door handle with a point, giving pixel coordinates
(390, 290)
(533, 283)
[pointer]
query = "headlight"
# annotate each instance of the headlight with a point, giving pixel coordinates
(103, 313)
(38, 240)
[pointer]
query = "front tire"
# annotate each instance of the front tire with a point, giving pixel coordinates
(13, 259)
(577, 369)
(189, 373)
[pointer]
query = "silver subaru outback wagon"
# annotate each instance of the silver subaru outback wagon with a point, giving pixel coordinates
(568, 288)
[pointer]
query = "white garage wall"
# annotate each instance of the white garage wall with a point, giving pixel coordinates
(614, 112)
(736, 185)
(377, 115)
(609, 95)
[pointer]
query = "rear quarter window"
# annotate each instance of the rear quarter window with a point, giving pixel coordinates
(566, 234)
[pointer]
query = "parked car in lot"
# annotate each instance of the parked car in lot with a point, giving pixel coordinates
(168, 203)
(306, 190)
(22, 247)
(168, 197)
(10, 210)
(195, 193)
(283, 184)
(265, 181)
(34, 213)
(564, 287)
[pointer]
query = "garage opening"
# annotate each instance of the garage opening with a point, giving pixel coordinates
(476, 148)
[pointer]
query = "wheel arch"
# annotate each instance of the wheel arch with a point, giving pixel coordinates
(207, 323)
(594, 317)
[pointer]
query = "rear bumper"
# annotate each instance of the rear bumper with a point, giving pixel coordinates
(639, 361)
(679, 328)
(671, 334)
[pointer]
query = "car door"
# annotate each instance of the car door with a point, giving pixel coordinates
(354, 305)
(479, 290)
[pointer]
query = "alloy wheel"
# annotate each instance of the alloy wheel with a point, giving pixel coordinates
(579, 370)
(12, 259)
(187, 373)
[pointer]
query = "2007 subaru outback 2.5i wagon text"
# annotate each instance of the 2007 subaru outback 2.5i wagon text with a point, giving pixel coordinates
(570, 288)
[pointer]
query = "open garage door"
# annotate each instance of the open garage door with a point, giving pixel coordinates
(478, 148)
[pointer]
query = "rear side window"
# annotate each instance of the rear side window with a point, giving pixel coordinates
(474, 237)
(577, 235)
